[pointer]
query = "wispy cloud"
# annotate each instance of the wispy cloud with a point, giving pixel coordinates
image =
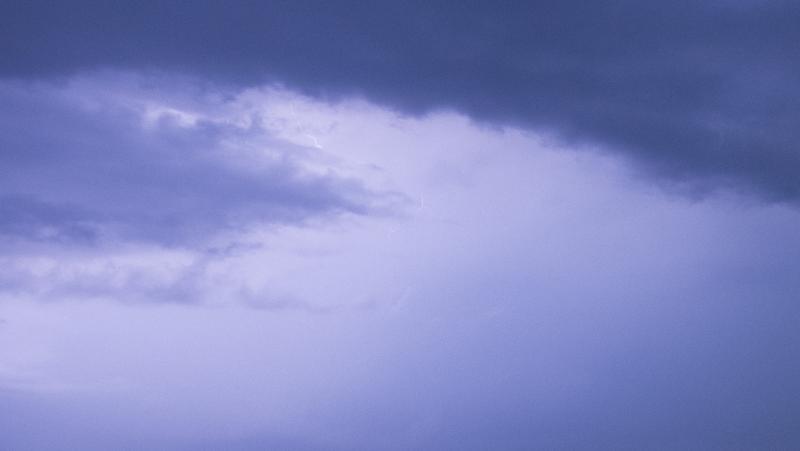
(85, 166)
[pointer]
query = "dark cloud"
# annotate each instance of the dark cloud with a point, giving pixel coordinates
(76, 173)
(699, 92)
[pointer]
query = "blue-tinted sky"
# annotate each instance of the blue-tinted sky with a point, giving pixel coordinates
(399, 226)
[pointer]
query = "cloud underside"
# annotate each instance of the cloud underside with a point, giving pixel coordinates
(76, 173)
(701, 93)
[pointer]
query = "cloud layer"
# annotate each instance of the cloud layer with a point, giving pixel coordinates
(699, 93)
(569, 310)
(250, 225)
(92, 161)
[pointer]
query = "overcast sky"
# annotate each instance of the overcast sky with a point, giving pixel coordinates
(399, 225)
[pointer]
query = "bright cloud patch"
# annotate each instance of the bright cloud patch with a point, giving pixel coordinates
(344, 277)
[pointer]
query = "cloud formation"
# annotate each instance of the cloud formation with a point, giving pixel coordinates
(80, 166)
(187, 262)
(702, 93)
(567, 310)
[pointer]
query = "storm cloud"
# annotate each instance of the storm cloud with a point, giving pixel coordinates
(699, 93)
(399, 225)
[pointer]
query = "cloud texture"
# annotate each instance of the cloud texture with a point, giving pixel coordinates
(399, 225)
(81, 164)
(700, 93)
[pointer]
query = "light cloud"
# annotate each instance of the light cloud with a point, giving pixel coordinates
(523, 292)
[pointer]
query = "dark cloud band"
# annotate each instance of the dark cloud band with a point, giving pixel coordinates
(701, 92)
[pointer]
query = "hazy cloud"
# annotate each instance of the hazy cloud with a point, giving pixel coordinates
(155, 157)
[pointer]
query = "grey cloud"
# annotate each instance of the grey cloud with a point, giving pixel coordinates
(704, 93)
(40, 221)
(80, 174)
(32, 422)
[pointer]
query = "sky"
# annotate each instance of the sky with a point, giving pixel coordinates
(399, 225)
